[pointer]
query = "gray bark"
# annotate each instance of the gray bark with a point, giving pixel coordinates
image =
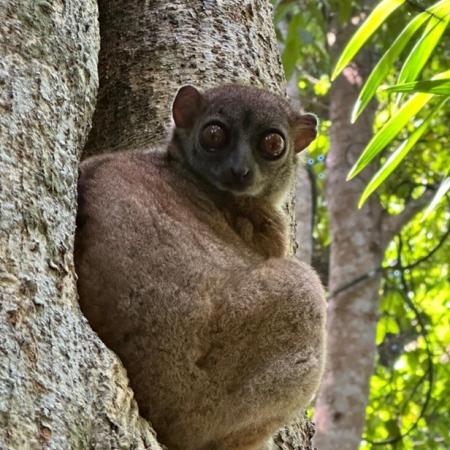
(355, 250)
(60, 388)
(303, 195)
(303, 215)
(148, 52)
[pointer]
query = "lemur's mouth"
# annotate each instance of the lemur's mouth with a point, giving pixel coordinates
(241, 189)
(238, 184)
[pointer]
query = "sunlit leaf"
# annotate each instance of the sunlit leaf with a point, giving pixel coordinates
(443, 189)
(392, 128)
(389, 131)
(424, 47)
(436, 87)
(386, 62)
(371, 24)
(397, 156)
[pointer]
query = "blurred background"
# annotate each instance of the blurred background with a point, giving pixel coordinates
(386, 262)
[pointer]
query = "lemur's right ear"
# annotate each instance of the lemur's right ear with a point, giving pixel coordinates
(186, 106)
(305, 131)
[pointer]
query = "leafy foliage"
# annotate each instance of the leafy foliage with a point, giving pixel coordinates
(409, 388)
(364, 32)
(437, 87)
(408, 404)
(434, 21)
(401, 151)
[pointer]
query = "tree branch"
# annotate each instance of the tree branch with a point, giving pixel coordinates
(392, 225)
(429, 374)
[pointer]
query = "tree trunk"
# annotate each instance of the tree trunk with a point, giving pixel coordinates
(358, 241)
(355, 251)
(59, 386)
(303, 215)
(303, 194)
(149, 50)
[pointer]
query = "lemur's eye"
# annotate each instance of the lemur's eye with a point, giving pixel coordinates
(213, 137)
(272, 145)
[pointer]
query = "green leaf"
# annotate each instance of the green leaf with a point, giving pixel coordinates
(443, 189)
(436, 87)
(423, 49)
(392, 128)
(363, 33)
(292, 47)
(386, 62)
(345, 11)
(391, 325)
(389, 131)
(397, 156)
(284, 9)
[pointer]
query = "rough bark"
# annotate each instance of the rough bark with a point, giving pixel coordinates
(150, 49)
(358, 241)
(303, 215)
(303, 195)
(355, 250)
(60, 388)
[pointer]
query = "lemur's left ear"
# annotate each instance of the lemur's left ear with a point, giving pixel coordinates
(305, 131)
(186, 106)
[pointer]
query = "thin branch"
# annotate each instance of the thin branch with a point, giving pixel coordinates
(392, 225)
(430, 253)
(357, 280)
(424, 334)
(415, 388)
(372, 273)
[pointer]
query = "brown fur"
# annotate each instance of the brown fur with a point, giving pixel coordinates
(222, 336)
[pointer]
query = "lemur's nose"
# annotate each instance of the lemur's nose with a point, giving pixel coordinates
(240, 173)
